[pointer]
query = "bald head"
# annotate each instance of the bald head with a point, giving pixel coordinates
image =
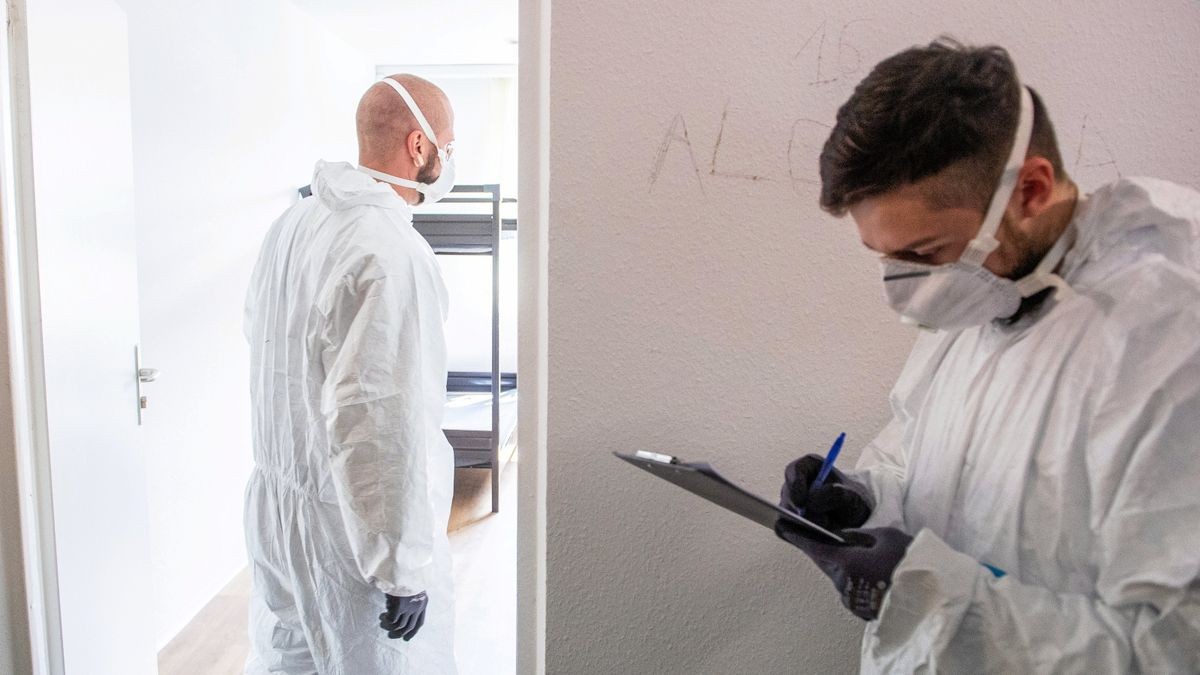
(386, 126)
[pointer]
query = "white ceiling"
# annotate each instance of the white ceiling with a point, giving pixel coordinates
(407, 32)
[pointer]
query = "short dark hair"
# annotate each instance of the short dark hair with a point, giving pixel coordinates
(925, 110)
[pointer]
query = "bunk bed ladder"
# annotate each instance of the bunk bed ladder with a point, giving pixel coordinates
(497, 226)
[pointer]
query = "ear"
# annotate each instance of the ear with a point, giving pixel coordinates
(1035, 186)
(414, 144)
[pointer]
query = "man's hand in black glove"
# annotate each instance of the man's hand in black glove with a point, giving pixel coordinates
(404, 616)
(861, 569)
(839, 503)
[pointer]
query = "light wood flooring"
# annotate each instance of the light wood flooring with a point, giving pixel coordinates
(484, 546)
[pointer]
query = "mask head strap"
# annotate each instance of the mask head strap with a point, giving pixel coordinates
(413, 108)
(394, 180)
(424, 124)
(1043, 276)
(985, 242)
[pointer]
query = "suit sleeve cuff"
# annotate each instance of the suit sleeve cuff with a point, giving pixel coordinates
(932, 589)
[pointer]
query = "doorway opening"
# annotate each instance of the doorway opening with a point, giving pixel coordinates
(215, 156)
(474, 234)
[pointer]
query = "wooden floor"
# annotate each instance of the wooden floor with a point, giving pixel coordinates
(484, 546)
(215, 642)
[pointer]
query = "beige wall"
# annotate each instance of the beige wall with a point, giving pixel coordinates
(698, 311)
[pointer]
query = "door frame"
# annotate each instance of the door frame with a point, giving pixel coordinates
(25, 339)
(533, 214)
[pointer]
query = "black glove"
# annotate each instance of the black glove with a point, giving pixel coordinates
(404, 616)
(861, 569)
(838, 504)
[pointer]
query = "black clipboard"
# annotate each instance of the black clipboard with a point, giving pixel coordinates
(702, 480)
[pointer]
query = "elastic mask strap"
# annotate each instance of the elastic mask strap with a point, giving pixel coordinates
(414, 109)
(985, 242)
(1043, 276)
(394, 180)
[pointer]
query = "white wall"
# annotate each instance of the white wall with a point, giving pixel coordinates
(233, 102)
(424, 31)
(725, 318)
(469, 326)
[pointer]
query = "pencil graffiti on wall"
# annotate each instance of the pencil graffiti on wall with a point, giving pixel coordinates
(825, 55)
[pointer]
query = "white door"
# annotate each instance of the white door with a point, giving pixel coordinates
(83, 204)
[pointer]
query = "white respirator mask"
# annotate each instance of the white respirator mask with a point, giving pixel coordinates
(440, 187)
(964, 293)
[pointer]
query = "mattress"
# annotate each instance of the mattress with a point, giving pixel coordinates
(472, 411)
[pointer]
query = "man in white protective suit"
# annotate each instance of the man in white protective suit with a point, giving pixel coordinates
(347, 507)
(1034, 505)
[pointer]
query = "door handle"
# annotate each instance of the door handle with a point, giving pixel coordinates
(144, 375)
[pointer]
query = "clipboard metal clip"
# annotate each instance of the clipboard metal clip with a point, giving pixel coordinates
(656, 457)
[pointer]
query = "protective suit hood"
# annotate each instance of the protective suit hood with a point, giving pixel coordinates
(1139, 215)
(339, 186)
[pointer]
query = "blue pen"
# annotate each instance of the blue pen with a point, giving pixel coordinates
(827, 465)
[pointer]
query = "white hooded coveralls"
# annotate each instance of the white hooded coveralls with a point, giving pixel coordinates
(350, 495)
(1064, 450)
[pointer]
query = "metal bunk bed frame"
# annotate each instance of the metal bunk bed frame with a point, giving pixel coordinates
(475, 234)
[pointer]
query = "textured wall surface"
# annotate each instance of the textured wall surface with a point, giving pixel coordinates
(700, 304)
